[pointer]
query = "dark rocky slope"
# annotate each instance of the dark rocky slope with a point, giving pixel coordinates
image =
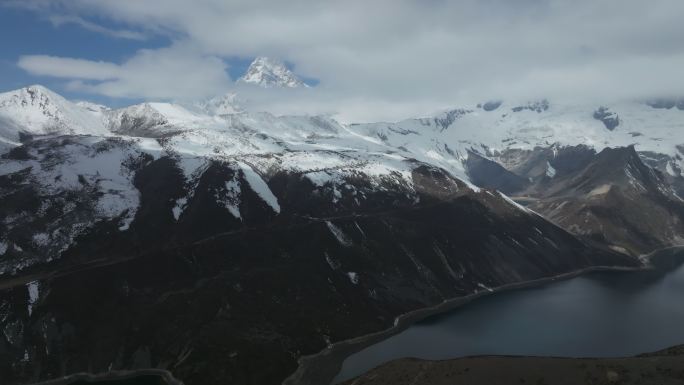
(220, 300)
(488, 174)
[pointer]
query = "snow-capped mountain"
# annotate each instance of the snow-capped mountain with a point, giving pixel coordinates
(35, 110)
(266, 72)
(490, 129)
(494, 129)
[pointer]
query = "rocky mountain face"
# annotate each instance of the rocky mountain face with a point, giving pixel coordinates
(207, 242)
(486, 173)
(611, 197)
(618, 200)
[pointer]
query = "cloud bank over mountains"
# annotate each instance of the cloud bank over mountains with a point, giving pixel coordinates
(382, 59)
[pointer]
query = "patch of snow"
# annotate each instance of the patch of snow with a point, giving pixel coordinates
(193, 167)
(339, 234)
(472, 187)
(434, 155)
(321, 178)
(230, 198)
(334, 265)
(550, 171)
(41, 239)
(483, 286)
(514, 203)
(619, 249)
(363, 233)
(634, 181)
(670, 170)
(3, 248)
(353, 277)
(34, 292)
(600, 190)
(179, 207)
(337, 195)
(260, 187)
(125, 224)
(552, 243)
(149, 146)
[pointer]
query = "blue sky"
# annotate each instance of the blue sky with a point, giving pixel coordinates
(27, 33)
(375, 60)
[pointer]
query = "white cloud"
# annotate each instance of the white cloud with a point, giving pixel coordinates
(390, 58)
(58, 20)
(177, 72)
(68, 67)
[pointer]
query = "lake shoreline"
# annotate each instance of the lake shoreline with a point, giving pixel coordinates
(324, 366)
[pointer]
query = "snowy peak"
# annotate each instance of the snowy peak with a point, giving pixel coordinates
(35, 110)
(32, 106)
(267, 73)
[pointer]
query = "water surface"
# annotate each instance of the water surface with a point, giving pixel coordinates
(596, 315)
